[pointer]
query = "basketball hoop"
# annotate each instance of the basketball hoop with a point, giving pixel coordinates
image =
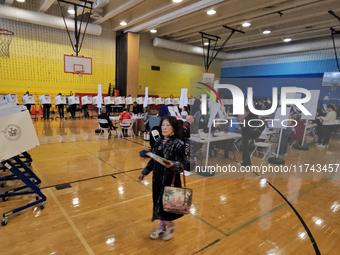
(5, 40)
(80, 73)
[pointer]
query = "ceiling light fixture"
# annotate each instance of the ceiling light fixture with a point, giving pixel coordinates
(123, 23)
(246, 24)
(206, 43)
(21, 1)
(153, 31)
(177, 1)
(266, 32)
(211, 12)
(71, 10)
(287, 39)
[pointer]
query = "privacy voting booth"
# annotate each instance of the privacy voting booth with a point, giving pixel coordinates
(12, 98)
(44, 99)
(60, 100)
(17, 136)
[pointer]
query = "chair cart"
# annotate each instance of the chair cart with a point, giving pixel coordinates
(17, 137)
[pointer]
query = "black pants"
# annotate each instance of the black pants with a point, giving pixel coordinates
(245, 153)
(327, 131)
(319, 131)
(124, 131)
(28, 107)
(61, 110)
(46, 111)
(86, 113)
(73, 109)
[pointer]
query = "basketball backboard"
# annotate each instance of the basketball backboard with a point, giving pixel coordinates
(77, 65)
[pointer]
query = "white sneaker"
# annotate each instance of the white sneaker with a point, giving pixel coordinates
(169, 232)
(320, 146)
(239, 163)
(157, 234)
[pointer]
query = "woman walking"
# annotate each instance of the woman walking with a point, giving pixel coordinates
(170, 147)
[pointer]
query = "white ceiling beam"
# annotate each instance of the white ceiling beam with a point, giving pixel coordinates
(305, 36)
(43, 5)
(9, 2)
(301, 35)
(239, 16)
(226, 10)
(109, 13)
(287, 26)
(174, 15)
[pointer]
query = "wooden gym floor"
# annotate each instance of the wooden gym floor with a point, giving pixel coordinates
(107, 211)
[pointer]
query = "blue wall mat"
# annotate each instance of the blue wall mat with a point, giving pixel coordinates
(305, 67)
(306, 74)
(262, 87)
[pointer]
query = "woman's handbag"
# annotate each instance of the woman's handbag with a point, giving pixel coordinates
(177, 200)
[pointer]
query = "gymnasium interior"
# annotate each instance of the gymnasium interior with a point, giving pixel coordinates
(70, 186)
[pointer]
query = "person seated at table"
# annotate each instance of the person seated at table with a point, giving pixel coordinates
(103, 115)
(234, 126)
(185, 112)
(124, 116)
(186, 126)
(299, 129)
(136, 108)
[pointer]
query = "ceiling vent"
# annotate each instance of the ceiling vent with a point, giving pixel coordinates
(97, 14)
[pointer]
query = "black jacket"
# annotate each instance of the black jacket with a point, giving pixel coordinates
(173, 150)
(245, 130)
(137, 109)
(105, 117)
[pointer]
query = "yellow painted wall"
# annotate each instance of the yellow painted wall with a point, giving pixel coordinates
(176, 69)
(36, 62)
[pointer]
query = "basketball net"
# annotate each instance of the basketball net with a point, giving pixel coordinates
(5, 40)
(80, 73)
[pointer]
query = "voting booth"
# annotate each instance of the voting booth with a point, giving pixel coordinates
(130, 100)
(175, 100)
(60, 100)
(95, 100)
(160, 100)
(28, 100)
(109, 100)
(44, 99)
(151, 100)
(140, 100)
(119, 100)
(73, 100)
(86, 100)
(12, 98)
(191, 101)
(18, 136)
(168, 101)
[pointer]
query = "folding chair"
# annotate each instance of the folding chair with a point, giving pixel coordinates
(265, 144)
(235, 143)
(128, 128)
(102, 129)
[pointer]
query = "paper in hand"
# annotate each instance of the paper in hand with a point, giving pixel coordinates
(159, 159)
